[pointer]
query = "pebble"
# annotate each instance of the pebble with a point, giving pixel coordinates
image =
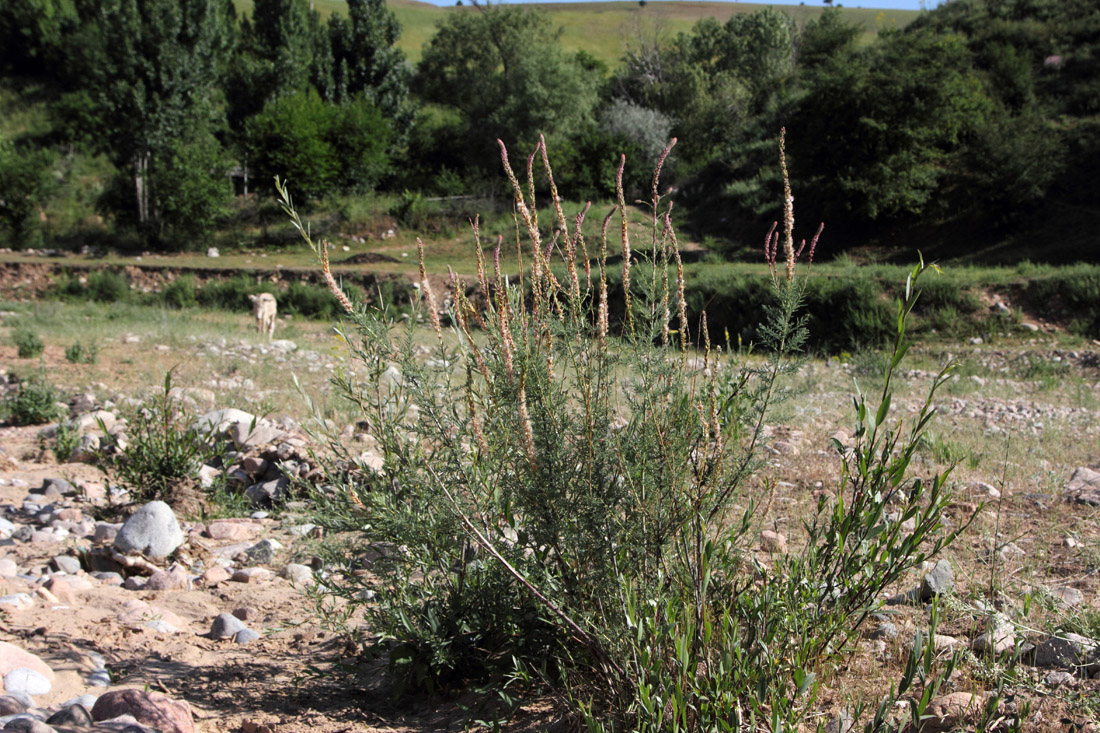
(26, 682)
(773, 541)
(262, 553)
(298, 574)
(244, 636)
(225, 626)
(251, 575)
(232, 530)
(174, 578)
(72, 715)
(21, 601)
(940, 580)
(28, 725)
(147, 707)
(66, 564)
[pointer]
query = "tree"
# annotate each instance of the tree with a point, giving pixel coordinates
(155, 89)
(367, 61)
(26, 181)
(506, 73)
(880, 131)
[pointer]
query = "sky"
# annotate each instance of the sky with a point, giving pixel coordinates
(884, 4)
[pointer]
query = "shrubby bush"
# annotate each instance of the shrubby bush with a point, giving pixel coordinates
(559, 500)
(321, 147)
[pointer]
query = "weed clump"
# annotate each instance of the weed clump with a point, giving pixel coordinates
(559, 499)
(163, 449)
(78, 353)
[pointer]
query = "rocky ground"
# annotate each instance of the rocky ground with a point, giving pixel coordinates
(111, 607)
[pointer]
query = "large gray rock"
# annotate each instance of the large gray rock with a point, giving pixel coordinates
(999, 636)
(941, 580)
(219, 421)
(151, 530)
(1067, 651)
(226, 625)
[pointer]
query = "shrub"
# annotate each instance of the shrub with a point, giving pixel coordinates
(180, 293)
(107, 286)
(33, 403)
(569, 497)
(81, 354)
(27, 343)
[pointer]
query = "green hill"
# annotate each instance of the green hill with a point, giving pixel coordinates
(601, 28)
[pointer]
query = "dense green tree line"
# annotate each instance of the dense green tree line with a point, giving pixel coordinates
(983, 116)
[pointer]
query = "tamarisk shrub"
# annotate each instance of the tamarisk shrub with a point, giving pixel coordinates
(555, 499)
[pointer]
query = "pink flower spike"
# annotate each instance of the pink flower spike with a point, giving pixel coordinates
(813, 242)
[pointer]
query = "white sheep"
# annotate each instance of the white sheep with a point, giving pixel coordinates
(263, 308)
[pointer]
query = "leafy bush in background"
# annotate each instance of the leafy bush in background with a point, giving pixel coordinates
(34, 402)
(27, 342)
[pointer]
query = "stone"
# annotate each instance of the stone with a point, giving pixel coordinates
(940, 642)
(244, 437)
(225, 625)
(10, 705)
(152, 530)
(214, 575)
(262, 553)
(298, 574)
(8, 568)
(100, 678)
(251, 575)
(212, 252)
(247, 613)
(60, 485)
(234, 531)
(23, 681)
(268, 492)
(66, 564)
(136, 614)
(999, 636)
(952, 712)
(773, 541)
(12, 658)
(245, 636)
(1084, 486)
(105, 532)
(161, 626)
(174, 578)
(147, 707)
(218, 421)
(1067, 596)
(61, 590)
(28, 725)
(784, 448)
(937, 582)
(842, 723)
(1059, 678)
(72, 715)
(886, 630)
(1068, 651)
(208, 475)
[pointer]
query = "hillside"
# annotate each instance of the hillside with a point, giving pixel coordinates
(601, 27)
